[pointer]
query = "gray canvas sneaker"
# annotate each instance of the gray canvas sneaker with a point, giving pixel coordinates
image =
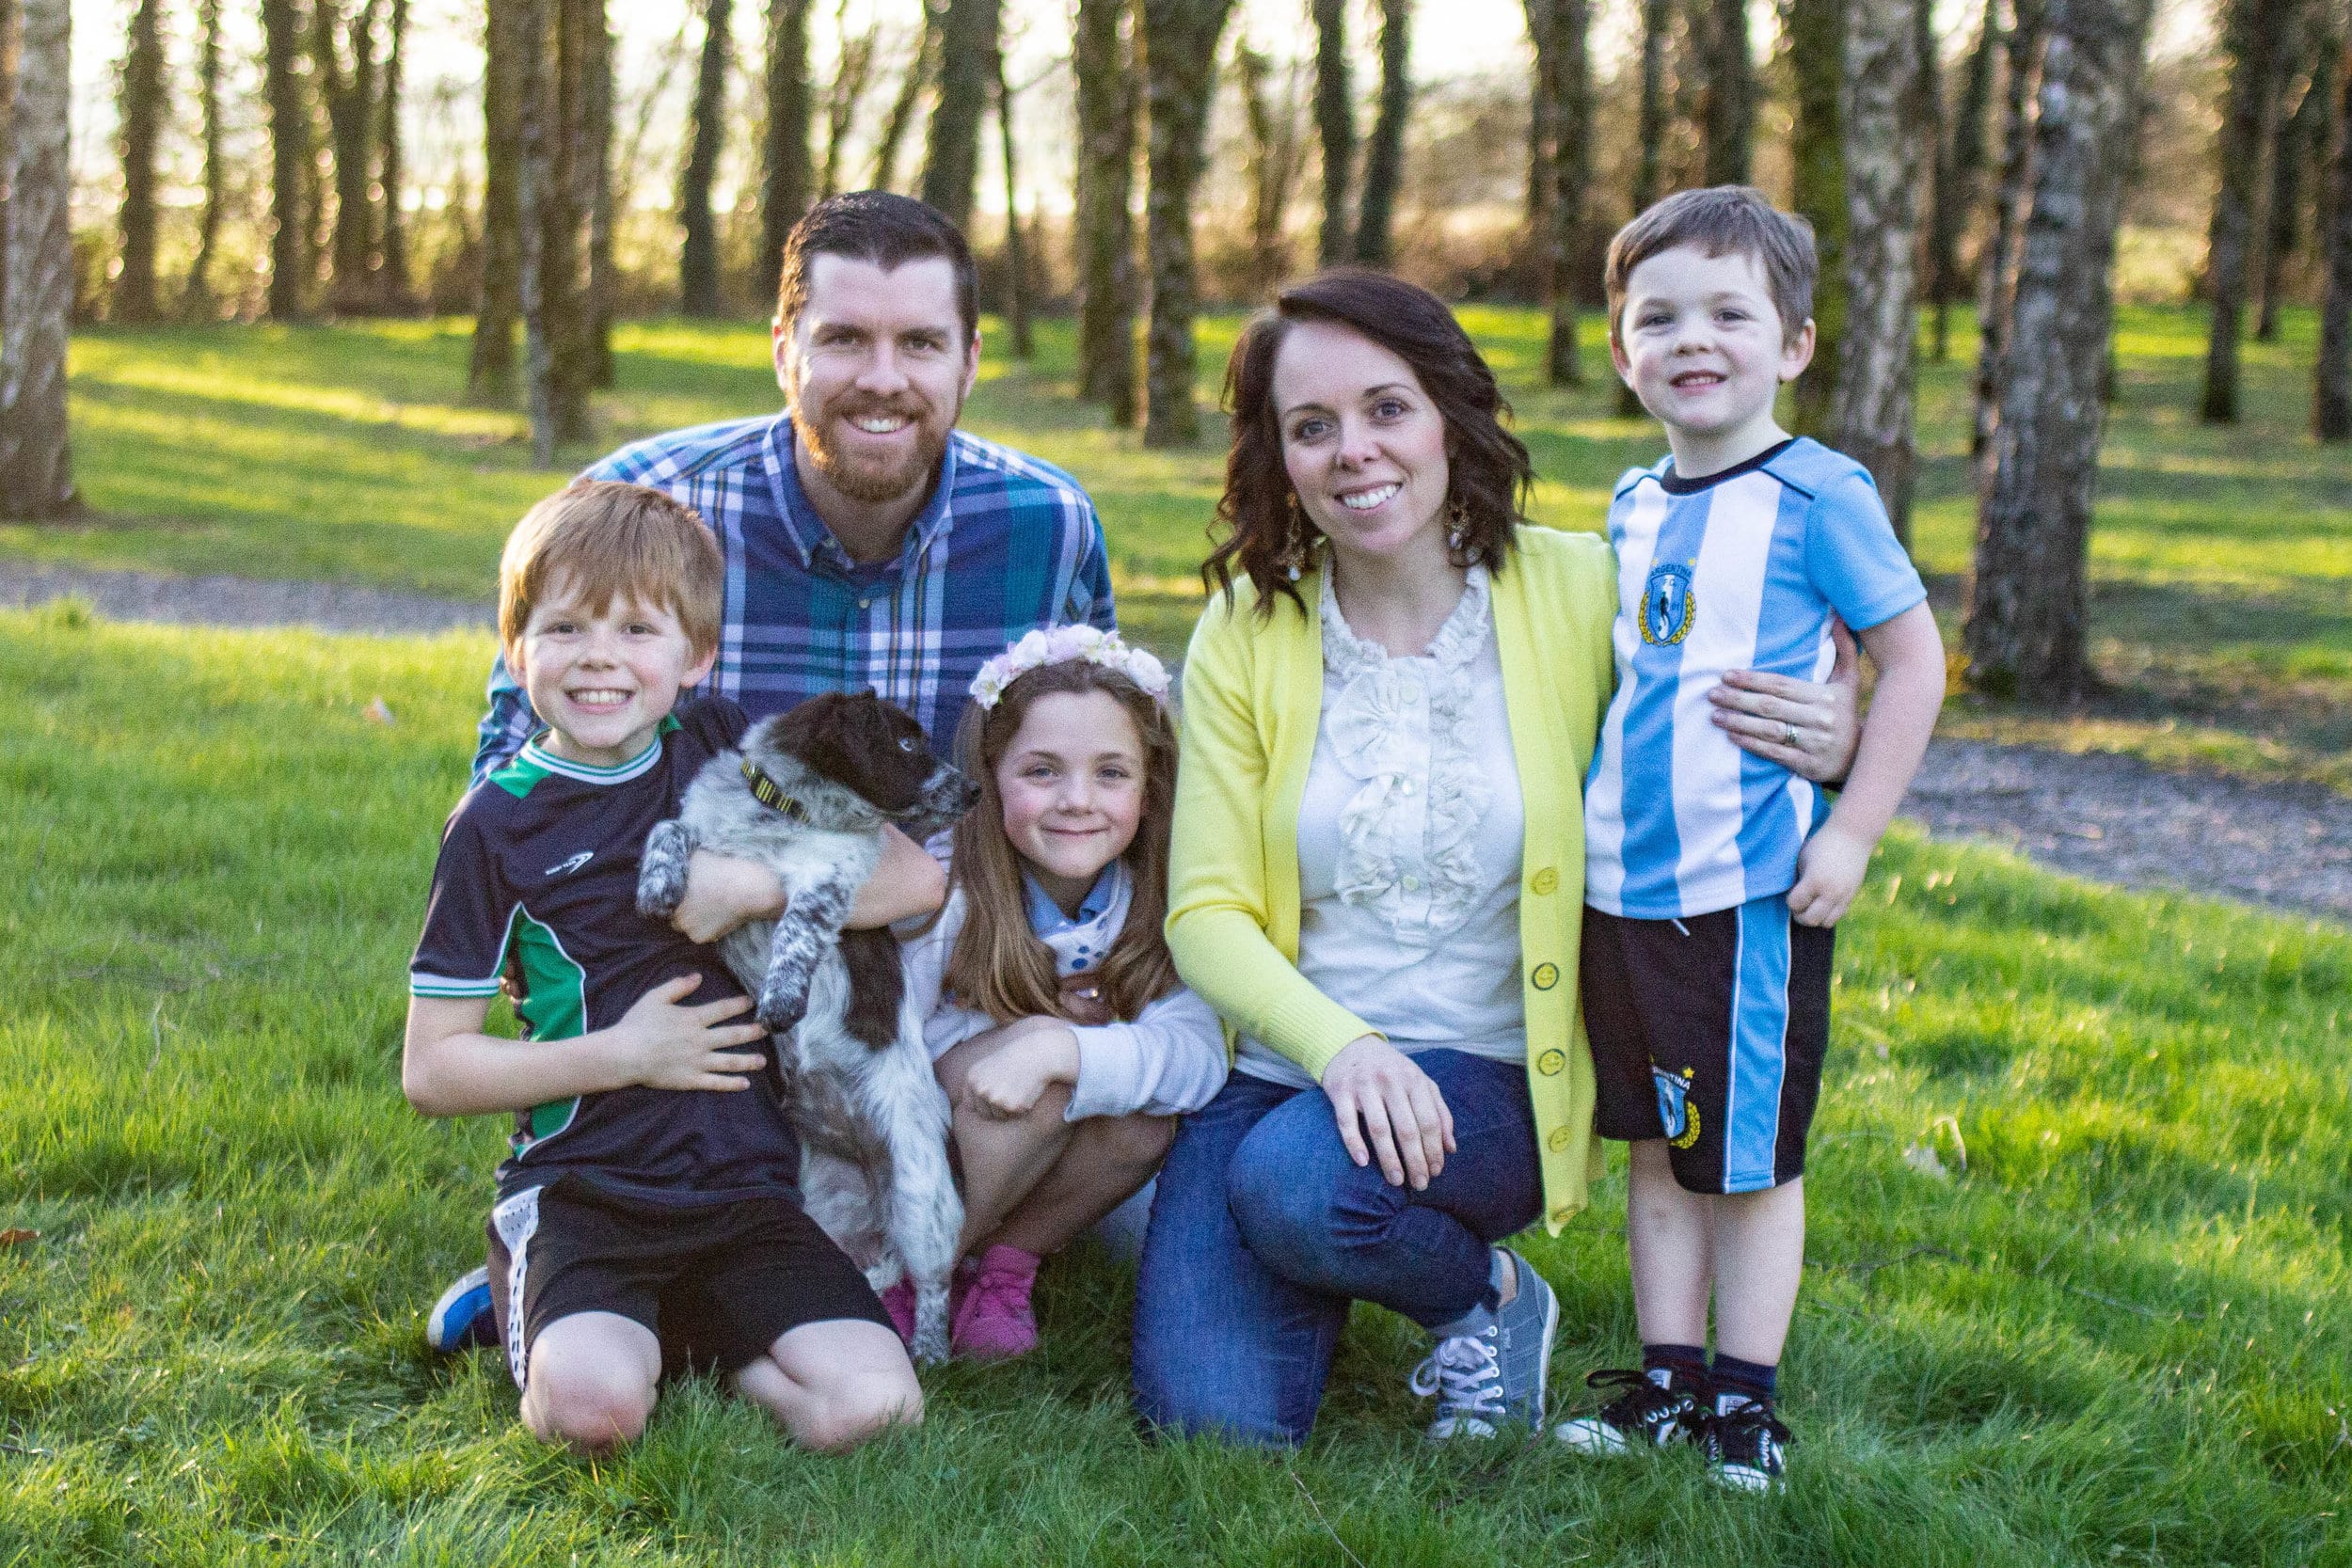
(1498, 1374)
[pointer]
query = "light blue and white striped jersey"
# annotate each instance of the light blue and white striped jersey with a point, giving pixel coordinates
(1737, 571)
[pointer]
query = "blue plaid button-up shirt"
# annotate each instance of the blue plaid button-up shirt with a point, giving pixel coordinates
(1005, 544)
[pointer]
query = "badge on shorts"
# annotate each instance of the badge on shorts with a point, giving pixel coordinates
(1676, 1113)
(1667, 605)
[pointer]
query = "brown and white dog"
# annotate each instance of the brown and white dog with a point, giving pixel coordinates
(808, 797)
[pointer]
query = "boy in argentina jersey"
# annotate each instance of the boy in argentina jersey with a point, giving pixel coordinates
(648, 1219)
(1713, 876)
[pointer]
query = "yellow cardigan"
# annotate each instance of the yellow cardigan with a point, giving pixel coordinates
(1253, 701)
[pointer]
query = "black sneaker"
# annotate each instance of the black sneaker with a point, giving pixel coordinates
(1644, 1415)
(1747, 1448)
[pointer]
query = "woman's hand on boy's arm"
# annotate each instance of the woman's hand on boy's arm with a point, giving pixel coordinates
(450, 1067)
(1808, 727)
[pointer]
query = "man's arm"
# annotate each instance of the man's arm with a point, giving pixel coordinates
(450, 1067)
(507, 725)
(723, 892)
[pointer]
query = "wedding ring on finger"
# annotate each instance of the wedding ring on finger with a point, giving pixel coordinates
(1788, 735)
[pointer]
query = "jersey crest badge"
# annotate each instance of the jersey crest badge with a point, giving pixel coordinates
(565, 868)
(1676, 1113)
(1667, 605)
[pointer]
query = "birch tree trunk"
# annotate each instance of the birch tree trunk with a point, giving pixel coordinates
(36, 463)
(1885, 123)
(2027, 607)
(1180, 50)
(1571, 181)
(592, 189)
(1728, 117)
(1960, 178)
(196, 298)
(1107, 82)
(784, 163)
(490, 375)
(289, 158)
(1384, 155)
(350, 94)
(2252, 38)
(902, 114)
(951, 143)
(1998, 267)
(391, 239)
(2331, 378)
(1335, 129)
(1657, 24)
(698, 251)
(1016, 251)
(143, 105)
(1815, 34)
(554, 100)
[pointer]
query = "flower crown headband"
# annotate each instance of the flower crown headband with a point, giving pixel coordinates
(1062, 645)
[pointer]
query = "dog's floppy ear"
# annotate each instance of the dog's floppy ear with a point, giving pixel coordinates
(814, 732)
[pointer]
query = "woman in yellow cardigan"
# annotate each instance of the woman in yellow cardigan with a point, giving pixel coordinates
(1377, 880)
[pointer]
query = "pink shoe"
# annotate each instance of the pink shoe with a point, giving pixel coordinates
(898, 1301)
(995, 1322)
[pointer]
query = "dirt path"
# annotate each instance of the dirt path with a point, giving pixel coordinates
(2286, 847)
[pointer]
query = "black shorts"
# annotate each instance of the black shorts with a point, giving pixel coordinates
(717, 1283)
(1709, 1032)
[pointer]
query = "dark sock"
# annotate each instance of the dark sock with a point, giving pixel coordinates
(1750, 1380)
(1683, 1364)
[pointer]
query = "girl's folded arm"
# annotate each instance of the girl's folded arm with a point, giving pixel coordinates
(1171, 1060)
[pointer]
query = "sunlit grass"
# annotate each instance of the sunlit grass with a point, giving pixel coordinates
(2117, 1329)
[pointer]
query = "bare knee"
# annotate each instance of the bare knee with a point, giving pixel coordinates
(590, 1409)
(857, 1409)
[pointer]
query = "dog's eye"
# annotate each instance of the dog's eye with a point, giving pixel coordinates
(906, 743)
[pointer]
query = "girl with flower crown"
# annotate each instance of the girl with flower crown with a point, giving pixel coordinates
(1065, 1040)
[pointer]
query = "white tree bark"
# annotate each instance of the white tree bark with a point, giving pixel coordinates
(1882, 123)
(2029, 604)
(36, 467)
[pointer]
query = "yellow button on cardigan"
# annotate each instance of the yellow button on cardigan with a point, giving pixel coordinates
(1253, 701)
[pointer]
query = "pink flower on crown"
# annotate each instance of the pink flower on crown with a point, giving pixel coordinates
(1060, 645)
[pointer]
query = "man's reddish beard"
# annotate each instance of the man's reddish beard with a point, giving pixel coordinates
(863, 482)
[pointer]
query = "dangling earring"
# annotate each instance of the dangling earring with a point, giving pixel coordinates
(1458, 526)
(1294, 555)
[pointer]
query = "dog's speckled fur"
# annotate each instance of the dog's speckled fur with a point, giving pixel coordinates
(871, 1118)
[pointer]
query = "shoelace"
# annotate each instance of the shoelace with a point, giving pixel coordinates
(1637, 1397)
(1466, 1377)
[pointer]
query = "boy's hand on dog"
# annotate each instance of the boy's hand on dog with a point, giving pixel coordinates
(665, 1045)
(1830, 869)
(1008, 1083)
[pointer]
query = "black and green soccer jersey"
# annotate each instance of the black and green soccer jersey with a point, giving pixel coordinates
(538, 875)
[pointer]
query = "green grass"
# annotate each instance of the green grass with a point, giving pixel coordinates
(2122, 1333)
(2221, 563)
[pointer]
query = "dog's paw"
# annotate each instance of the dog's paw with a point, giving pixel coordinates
(660, 890)
(781, 1007)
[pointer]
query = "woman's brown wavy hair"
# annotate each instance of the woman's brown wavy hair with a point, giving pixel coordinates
(999, 966)
(1488, 470)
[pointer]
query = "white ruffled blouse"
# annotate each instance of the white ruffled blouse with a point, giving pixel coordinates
(1409, 836)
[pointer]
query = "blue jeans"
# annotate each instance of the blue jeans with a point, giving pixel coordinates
(1263, 1230)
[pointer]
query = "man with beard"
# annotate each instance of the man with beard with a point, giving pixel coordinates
(868, 540)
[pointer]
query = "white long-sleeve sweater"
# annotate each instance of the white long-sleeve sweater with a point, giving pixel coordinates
(1169, 1060)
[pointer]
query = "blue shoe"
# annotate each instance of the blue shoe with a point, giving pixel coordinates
(462, 1319)
(1497, 1374)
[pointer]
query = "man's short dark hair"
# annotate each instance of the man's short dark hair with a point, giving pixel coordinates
(878, 226)
(1721, 220)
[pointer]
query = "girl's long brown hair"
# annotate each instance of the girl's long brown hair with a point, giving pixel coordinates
(999, 966)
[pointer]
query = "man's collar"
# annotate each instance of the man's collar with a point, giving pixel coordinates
(808, 531)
